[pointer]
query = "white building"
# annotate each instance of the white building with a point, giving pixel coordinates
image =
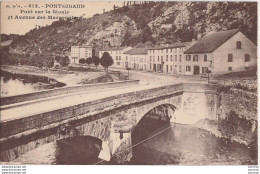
(168, 59)
(136, 58)
(117, 54)
(79, 52)
(221, 52)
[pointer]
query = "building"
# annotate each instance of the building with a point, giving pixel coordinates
(136, 58)
(117, 54)
(79, 52)
(168, 59)
(220, 52)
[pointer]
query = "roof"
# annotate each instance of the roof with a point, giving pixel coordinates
(175, 45)
(136, 51)
(83, 46)
(113, 49)
(211, 42)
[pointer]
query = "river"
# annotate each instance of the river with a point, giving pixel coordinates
(15, 84)
(176, 145)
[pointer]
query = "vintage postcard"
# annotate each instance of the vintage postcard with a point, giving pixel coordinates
(129, 82)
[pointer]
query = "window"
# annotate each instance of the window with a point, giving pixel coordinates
(229, 68)
(158, 58)
(204, 69)
(180, 68)
(188, 68)
(118, 63)
(205, 58)
(171, 58)
(180, 58)
(171, 67)
(195, 58)
(239, 45)
(116, 57)
(188, 57)
(162, 58)
(247, 57)
(166, 50)
(176, 58)
(230, 57)
(119, 57)
(150, 58)
(167, 58)
(126, 58)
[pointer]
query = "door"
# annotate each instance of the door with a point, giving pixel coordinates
(154, 67)
(196, 70)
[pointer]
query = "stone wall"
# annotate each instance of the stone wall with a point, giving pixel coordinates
(242, 102)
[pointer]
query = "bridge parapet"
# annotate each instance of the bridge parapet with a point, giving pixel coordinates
(39, 120)
(61, 91)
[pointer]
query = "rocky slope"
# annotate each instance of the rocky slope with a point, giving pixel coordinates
(140, 25)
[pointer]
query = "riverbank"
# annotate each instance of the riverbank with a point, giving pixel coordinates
(70, 78)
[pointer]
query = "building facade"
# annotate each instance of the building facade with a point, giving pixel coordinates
(220, 52)
(136, 59)
(80, 52)
(168, 59)
(117, 55)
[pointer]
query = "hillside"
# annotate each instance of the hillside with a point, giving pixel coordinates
(140, 25)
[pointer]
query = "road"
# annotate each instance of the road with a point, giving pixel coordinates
(160, 78)
(147, 81)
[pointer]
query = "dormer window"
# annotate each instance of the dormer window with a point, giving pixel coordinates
(239, 45)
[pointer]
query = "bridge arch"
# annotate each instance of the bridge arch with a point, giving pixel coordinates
(81, 150)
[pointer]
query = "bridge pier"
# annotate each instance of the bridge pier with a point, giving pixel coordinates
(122, 148)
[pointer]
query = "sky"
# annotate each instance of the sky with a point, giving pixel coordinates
(11, 25)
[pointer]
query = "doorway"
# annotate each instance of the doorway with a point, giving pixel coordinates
(196, 70)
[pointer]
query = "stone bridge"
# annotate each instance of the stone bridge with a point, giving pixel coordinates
(110, 119)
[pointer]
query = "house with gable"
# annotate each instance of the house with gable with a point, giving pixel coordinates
(220, 52)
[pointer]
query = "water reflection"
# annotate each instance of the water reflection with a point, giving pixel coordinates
(187, 145)
(178, 145)
(15, 84)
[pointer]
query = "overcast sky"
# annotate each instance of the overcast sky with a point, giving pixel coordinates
(21, 26)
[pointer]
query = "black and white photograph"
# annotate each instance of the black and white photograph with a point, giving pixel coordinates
(129, 83)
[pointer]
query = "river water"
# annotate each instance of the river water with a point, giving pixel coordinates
(15, 84)
(176, 145)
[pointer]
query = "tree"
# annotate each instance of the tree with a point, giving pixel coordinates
(82, 61)
(106, 60)
(64, 61)
(48, 61)
(58, 58)
(89, 61)
(95, 60)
